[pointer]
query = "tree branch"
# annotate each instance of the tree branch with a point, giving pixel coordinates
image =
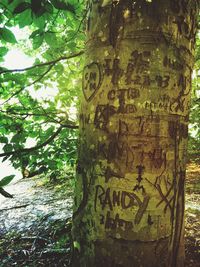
(13, 112)
(53, 62)
(30, 84)
(70, 126)
(31, 149)
(4, 193)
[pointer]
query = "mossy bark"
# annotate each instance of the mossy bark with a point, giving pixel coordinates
(129, 198)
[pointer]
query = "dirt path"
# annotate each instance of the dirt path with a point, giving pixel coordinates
(35, 225)
(31, 203)
(192, 218)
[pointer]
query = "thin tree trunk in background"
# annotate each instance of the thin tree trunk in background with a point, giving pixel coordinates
(129, 197)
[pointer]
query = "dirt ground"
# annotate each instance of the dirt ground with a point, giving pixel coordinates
(192, 216)
(36, 224)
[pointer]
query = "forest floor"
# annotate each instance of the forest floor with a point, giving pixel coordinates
(192, 216)
(35, 225)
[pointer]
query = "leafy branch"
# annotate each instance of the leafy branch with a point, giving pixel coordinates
(27, 114)
(48, 141)
(51, 63)
(30, 84)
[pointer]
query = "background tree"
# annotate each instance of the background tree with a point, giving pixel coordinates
(133, 133)
(194, 127)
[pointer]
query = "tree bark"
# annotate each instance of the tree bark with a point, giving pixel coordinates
(129, 197)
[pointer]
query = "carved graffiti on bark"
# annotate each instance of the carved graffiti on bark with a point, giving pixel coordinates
(92, 79)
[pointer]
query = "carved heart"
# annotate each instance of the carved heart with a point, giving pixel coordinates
(91, 80)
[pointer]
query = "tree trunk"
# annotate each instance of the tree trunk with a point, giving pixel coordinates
(129, 197)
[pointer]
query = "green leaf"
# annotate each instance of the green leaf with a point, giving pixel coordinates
(50, 39)
(59, 68)
(51, 164)
(77, 245)
(25, 18)
(21, 7)
(37, 41)
(6, 180)
(33, 34)
(7, 148)
(3, 51)
(72, 45)
(49, 8)
(63, 6)
(40, 22)
(3, 139)
(7, 35)
(33, 134)
(16, 138)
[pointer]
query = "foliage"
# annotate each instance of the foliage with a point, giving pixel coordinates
(38, 134)
(6, 180)
(194, 132)
(3, 182)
